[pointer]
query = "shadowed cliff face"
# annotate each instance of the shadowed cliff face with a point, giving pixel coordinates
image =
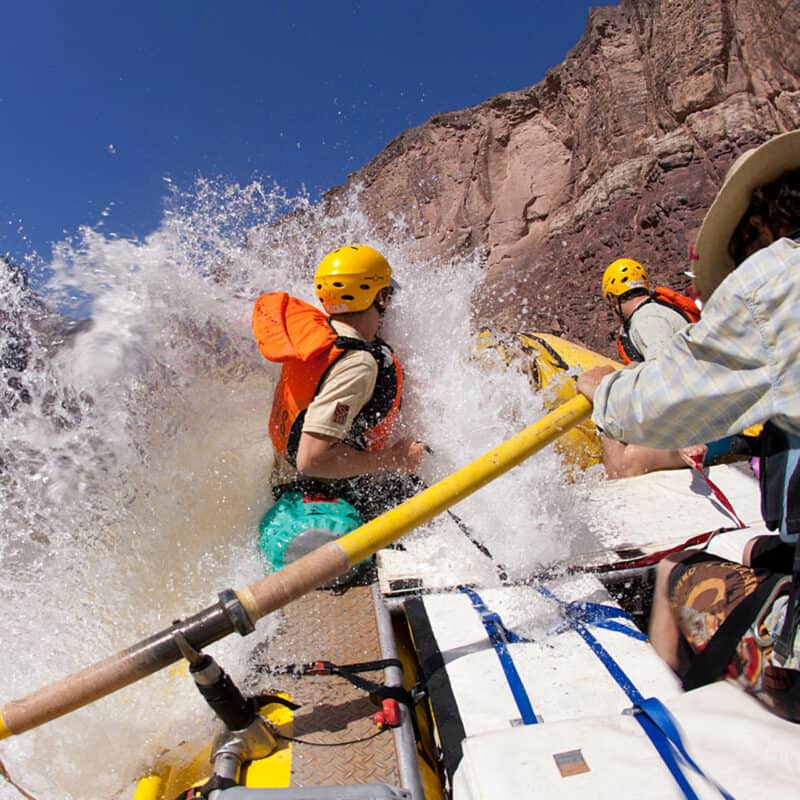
(618, 151)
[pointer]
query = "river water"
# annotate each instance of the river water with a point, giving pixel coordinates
(135, 461)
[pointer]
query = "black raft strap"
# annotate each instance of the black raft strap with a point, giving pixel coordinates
(441, 696)
(709, 664)
(784, 644)
(261, 700)
(348, 672)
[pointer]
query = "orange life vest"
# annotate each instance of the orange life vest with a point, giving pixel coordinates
(678, 302)
(302, 339)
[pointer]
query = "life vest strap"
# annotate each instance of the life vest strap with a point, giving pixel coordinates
(663, 296)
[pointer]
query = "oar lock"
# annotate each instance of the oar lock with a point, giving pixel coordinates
(247, 735)
(235, 612)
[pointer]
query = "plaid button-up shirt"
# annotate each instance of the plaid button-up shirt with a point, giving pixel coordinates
(738, 366)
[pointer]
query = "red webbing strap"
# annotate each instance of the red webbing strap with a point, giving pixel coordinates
(717, 492)
(654, 558)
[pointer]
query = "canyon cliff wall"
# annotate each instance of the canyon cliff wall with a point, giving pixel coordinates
(618, 151)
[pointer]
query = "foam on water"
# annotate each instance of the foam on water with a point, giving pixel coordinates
(135, 459)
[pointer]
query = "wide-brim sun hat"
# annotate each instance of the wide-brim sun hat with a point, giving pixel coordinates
(753, 168)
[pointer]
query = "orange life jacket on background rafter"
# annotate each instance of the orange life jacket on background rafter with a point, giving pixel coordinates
(664, 296)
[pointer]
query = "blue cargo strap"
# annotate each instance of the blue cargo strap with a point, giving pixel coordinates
(653, 716)
(500, 637)
(599, 615)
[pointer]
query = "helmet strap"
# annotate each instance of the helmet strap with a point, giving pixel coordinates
(616, 304)
(380, 302)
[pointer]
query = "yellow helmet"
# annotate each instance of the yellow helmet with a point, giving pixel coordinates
(349, 278)
(623, 275)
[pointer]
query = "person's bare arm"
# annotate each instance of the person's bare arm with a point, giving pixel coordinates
(589, 381)
(320, 456)
(693, 455)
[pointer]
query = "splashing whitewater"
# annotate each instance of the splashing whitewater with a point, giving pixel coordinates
(135, 464)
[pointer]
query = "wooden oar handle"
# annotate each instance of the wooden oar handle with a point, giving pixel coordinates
(152, 654)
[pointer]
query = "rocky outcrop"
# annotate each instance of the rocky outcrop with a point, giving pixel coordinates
(618, 151)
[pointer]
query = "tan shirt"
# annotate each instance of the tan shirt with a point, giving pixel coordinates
(347, 388)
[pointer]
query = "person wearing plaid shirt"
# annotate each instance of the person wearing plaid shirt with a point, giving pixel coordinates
(739, 365)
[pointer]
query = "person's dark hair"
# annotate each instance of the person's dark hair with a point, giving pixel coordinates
(639, 291)
(777, 204)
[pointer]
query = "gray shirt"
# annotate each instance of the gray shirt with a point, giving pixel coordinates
(652, 325)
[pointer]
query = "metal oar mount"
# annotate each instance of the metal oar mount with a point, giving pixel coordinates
(239, 611)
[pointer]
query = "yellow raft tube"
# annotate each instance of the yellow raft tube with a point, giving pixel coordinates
(551, 364)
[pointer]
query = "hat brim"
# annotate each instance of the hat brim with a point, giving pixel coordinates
(752, 169)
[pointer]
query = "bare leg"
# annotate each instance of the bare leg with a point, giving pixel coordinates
(665, 635)
(613, 457)
(747, 553)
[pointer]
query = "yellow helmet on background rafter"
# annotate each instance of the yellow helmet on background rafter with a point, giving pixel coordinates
(349, 278)
(623, 275)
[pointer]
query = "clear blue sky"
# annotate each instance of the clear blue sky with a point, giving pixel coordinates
(99, 101)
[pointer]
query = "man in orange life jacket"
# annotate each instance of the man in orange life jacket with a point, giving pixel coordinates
(335, 406)
(648, 320)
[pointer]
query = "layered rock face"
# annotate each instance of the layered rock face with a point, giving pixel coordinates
(618, 151)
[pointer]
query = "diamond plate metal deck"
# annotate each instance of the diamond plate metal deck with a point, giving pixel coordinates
(340, 628)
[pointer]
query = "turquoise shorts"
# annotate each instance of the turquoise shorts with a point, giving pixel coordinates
(294, 526)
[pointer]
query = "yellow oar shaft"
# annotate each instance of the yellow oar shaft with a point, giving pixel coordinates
(296, 579)
(383, 530)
